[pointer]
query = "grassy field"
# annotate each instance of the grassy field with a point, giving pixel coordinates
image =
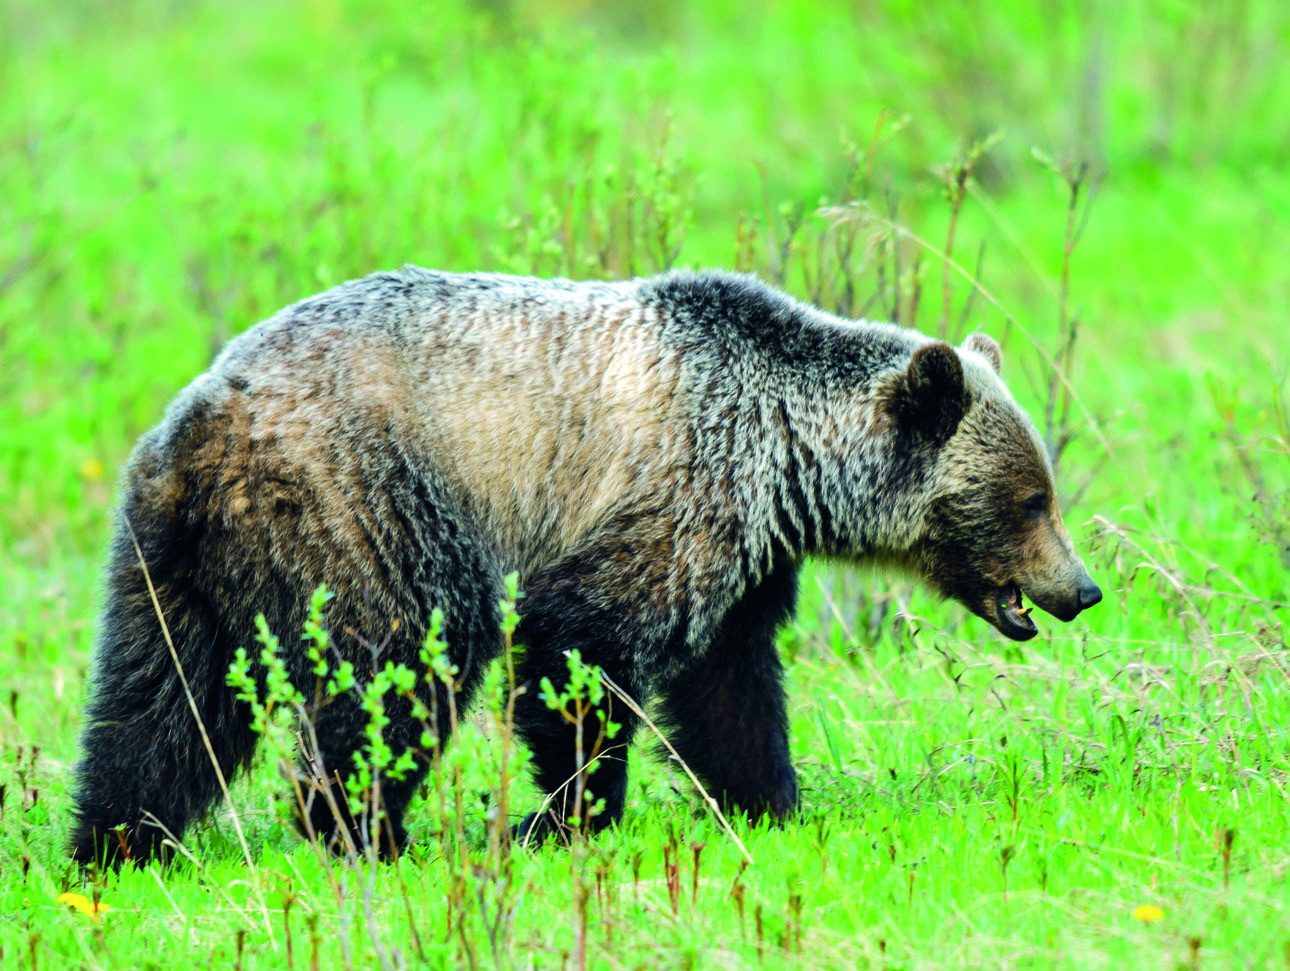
(1100, 186)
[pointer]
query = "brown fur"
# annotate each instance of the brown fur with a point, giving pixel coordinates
(654, 458)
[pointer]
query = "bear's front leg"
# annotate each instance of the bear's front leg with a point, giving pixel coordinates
(578, 759)
(581, 605)
(725, 711)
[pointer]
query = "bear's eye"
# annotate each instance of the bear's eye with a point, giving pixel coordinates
(1035, 505)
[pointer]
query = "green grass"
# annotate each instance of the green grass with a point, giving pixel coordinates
(172, 173)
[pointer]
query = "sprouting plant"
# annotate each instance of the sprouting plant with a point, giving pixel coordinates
(376, 759)
(578, 701)
(575, 702)
(268, 694)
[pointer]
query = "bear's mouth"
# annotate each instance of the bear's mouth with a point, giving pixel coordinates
(1013, 618)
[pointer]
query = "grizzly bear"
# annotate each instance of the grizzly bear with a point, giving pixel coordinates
(655, 458)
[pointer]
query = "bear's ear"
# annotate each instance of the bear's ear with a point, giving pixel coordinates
(985, 345)
(932, 398)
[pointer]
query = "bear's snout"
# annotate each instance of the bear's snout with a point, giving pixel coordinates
(1067, 601)
(1089, 594)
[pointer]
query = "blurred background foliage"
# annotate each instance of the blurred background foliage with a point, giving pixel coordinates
(174, 171)
(1109, 179)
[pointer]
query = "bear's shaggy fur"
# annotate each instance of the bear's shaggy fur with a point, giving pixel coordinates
(654, 457)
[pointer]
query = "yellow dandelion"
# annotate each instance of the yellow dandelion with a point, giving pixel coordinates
(92, 470)
(83, 904)
(1147, 913)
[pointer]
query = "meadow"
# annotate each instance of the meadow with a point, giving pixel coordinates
(1102, 187)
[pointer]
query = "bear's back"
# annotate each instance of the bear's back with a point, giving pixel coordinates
(547, 406)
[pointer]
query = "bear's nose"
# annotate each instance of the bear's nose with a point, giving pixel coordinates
(1089, 593)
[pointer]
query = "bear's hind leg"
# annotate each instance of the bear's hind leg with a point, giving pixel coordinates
(339, 732)
(340, 735)
(145, 769)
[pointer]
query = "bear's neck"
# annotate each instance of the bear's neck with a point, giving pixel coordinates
(826, 476)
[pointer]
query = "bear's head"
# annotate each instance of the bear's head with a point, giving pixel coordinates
(991, 534)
